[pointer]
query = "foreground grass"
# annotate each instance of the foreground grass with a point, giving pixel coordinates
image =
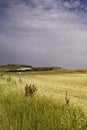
(18, 112)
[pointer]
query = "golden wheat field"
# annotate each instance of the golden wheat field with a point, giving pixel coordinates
(54, 86)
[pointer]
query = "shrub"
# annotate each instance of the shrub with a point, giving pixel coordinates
(30, 90)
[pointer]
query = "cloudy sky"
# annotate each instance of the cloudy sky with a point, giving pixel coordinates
(44, 32)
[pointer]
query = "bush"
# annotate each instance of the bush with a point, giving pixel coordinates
(30, 90)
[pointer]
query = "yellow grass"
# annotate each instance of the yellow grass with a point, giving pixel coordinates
(54, 86)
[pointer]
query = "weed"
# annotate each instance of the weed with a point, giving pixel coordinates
(20, 80)
(30, 90)
(9, 79)
(67, 100)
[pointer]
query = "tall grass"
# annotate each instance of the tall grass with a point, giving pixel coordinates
(18, 112)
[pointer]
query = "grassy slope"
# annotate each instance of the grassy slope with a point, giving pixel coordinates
(55, 85)
(13, 67)
(20, 113)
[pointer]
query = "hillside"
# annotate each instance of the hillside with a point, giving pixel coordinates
(18, 68)
(26, 68)
(15, 67)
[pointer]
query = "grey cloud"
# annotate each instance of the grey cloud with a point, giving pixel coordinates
(70, 4)
(43, 38)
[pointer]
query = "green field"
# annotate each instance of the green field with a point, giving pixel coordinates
(46, 110)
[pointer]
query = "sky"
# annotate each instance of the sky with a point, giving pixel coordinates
(44, 33)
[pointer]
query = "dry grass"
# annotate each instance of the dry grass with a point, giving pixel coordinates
(51, 86)
(56, 86)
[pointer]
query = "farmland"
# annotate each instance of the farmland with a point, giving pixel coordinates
(48, 101)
